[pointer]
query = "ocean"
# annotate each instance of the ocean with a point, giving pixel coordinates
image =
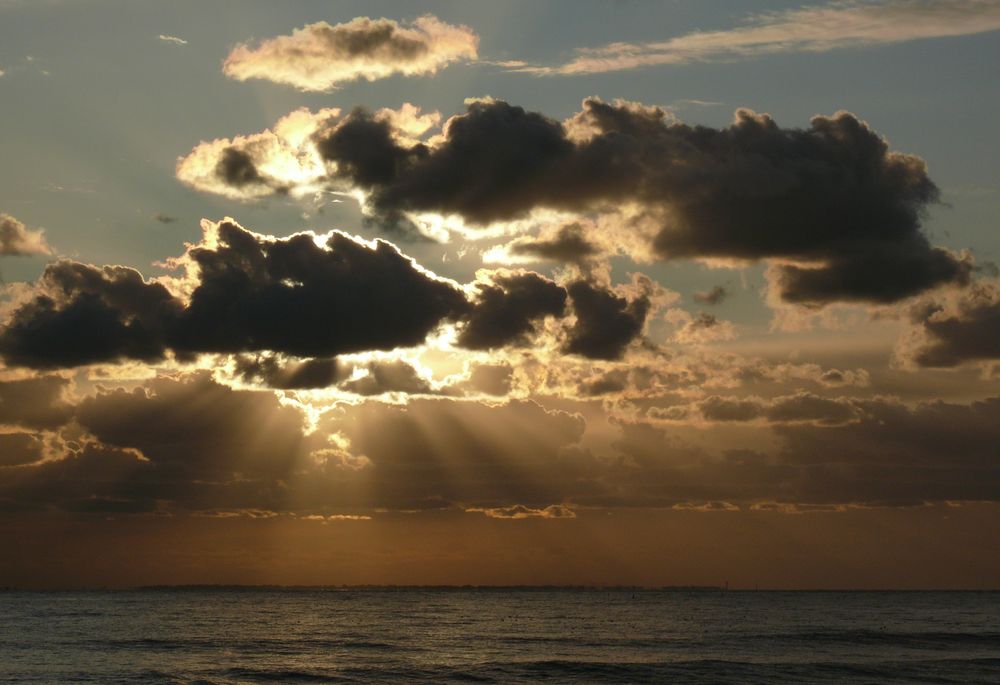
(476, 635)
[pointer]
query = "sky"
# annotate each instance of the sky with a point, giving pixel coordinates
(641, 293)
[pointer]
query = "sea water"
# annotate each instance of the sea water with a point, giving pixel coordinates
(214, 635)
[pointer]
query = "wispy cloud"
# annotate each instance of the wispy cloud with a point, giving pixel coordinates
(850, 23)
(172, 39)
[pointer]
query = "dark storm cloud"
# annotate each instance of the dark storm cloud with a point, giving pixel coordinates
(84, 314)
(713, 296)
(252, 293)
(832, 198)
(950, 334)
(507, 309)
(605, 322)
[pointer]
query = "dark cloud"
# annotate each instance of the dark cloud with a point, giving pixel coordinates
(611, 382)
(391, 376)
(297, 297)
(192, 444)
(34, 402)
(294, 297)
(18, 449)
(791, 408)
(836, 210)
(194, 428)
(290, 374)
(84, 314)
(896, 454)
(507, 309)
(832, 194)
(364, 150)
(569, 244)
(497, 162)
(236, 168)
(252, 294)
(950, 334)
(713, 296)
(605, 322)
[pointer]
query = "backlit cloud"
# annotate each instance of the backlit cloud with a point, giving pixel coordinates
(831, 207)
(321, 56)
(16, 239)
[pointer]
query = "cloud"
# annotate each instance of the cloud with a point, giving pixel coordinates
(605, 321)
(818, 28)
(290, 374)
(389, 377)
(802, 406)
(249, 293)
(321, 56)
(189, 443)
(964, 327)
(520, 512)
(172, 39)
(17, 240)
(37, 402)
(508, 307)
(19, 449)
(198, 429)
(433, 453)
(835, 212)
(491, 379)
(569, 244)
(83, 314)
(307, 296)
(279, 160)
(700, 328)
(713, 296)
